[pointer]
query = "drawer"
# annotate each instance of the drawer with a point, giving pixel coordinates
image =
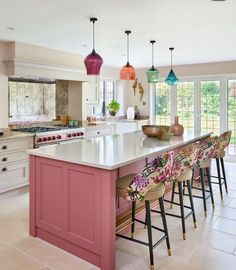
(98, 132)
(9, 146)
(13, 157)
(13, 176)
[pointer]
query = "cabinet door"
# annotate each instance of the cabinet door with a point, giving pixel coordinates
(91, 90)
(122, 127)
(98, 131)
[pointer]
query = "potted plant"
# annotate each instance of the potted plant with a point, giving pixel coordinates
(113, 107)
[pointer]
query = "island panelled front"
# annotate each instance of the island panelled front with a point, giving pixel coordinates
(72, 190)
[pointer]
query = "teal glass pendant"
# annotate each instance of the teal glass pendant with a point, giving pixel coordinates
(171, 78)
(152, 73)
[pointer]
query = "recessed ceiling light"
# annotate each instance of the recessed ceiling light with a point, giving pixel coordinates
(218, 0)
(10, 28)
(123, 55)
(84, 45)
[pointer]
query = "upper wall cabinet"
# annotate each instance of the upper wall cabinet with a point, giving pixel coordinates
(91, 90)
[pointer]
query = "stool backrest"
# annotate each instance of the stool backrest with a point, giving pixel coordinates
(208, 149)
(224, 139)
(156, 171)
(185, 159)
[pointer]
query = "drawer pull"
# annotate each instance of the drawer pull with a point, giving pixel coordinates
(98, 132)
(4, 147)
(4, 159)
(4, 169)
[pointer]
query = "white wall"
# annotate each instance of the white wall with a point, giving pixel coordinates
(3, 87)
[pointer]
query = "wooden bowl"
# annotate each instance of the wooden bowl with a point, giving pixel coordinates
(160, 132)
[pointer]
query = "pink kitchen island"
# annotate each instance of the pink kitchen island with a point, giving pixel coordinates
(72, 190)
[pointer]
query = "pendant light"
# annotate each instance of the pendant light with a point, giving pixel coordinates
(127, 72)
(171, 78)
(152, 73)
(93, 61)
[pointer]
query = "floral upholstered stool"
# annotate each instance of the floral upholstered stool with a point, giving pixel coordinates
(181, 174)
(224, 140)
(208, 150)
(148, 185)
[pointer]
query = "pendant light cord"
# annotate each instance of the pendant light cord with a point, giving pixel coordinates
(171, 49)
(152, 55)
(127, 47)
(93, 35)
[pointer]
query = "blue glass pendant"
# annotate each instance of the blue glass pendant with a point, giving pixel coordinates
(171, 78)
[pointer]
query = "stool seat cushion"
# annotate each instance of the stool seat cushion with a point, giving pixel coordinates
(153, 193)
(185, 175)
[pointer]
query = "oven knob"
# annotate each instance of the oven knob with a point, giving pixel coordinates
(58, 136)
(39, 139)
(69, 135)
(44, 139)
(49, 138)
(74, 134)
(53, 138)
(78, 133)
(81, 133)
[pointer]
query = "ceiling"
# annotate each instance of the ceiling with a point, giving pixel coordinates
(200, 30)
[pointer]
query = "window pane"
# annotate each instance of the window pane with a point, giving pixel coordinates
(232, 115)
(185, 104)
(210, 106)
(162, 104)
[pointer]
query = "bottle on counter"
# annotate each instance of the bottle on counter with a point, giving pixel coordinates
(130, 113)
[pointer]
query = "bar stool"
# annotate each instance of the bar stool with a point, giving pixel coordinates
(182, 172)
(148, 185)
(224, 140)
(208, 149)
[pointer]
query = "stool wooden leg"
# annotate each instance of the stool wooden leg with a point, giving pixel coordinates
(210, 187)
(163, 216)
(133, 218)
(192, 180)
(172, 195)
(203, 190)
(219, 177)
(181, 202)
(224, 175)
(191, 202)
(149, 230)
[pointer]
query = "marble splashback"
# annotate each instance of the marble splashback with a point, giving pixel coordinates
(62, 99)
(32, 101)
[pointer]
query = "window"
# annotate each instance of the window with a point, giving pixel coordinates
(185, 104)
(232, 115)
(106, 94)
(162, 104)
(210, 106)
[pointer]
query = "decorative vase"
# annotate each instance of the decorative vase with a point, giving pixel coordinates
(112, 113)
(176, 128)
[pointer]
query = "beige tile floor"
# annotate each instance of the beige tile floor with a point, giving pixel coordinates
(212, 246)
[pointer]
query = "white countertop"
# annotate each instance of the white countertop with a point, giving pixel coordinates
(113, 151)
(16, 135)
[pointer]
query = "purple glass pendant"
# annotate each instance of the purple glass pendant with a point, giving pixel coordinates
(93, 61)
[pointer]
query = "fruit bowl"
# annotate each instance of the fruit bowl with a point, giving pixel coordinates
(160, 132)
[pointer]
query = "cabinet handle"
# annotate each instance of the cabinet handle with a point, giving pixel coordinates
(4, 159)
(98, 132)
(4, 169)
(4, 147)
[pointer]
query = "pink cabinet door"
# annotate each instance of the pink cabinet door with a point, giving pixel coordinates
(68, 200)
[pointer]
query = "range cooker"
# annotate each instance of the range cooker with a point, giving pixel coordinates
(52, 135)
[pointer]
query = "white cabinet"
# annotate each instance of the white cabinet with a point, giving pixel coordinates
(91, 90)
(14, 163)
(99, 131)
(130, 126)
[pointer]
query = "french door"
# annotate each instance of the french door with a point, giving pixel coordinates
(207, 104)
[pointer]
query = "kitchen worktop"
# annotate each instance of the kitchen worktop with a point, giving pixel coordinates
(113, 151)
(15, 135)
